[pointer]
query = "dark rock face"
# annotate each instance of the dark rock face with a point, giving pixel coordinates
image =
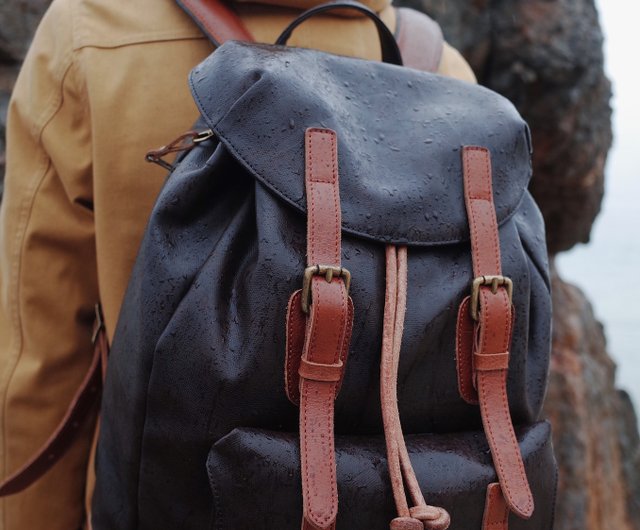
(18, 22)
(594, 426)
(546, 56)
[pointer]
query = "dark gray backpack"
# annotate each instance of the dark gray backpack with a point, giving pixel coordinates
(339, 312)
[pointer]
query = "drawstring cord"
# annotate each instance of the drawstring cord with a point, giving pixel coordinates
(420, 515)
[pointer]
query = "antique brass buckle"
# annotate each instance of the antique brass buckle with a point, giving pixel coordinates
(328, 271)
(494, 282)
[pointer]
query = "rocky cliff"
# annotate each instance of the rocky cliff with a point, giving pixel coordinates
(546, 56)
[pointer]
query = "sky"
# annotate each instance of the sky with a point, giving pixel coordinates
(608, 268)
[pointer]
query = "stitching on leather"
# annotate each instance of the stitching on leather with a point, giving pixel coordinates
(467, 393)
(504, 417)
(311, 198)
(336, 198)
(462, 383)
(495, 497)
(289, 381)
(505, 512)
(504, 409)
(485, 180)
(328, 443)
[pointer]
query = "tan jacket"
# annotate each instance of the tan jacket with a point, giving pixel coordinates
(104, 81)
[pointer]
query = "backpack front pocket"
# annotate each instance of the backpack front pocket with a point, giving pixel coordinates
(255, 479)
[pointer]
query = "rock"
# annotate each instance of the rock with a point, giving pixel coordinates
(546, 57)
(630, 449)
(8, 74)
(594, 427)
(18, 22)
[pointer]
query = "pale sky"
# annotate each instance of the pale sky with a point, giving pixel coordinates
(608, 269)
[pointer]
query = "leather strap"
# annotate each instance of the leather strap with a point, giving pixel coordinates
(420, 40)
(77, 414)
(493, 331)
(320, 356)
(418, 37)
(496, 511)
(296, 328)
(216, 20)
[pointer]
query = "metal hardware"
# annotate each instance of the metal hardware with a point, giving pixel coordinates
(329, 272)
(98, 326)
(202, 136)
(184, 142)
(489, 281)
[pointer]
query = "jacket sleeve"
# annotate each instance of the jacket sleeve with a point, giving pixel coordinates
(48, 281)
(452, 64)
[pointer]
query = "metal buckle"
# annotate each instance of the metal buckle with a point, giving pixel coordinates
(98, 325)
(494, 282)
(328, 271)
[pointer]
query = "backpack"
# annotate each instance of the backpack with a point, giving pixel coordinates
(339, 317)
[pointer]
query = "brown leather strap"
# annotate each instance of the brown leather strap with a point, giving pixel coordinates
(496, 511)
(65, 434)
(327, 332)
(493, 330)
(420, 40)
(216, 20)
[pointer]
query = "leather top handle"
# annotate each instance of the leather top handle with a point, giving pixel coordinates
(390, 51)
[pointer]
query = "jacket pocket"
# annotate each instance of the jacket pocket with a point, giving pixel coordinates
(255, 479)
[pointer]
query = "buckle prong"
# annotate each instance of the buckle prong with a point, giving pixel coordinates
(329, 272)
(489, 281)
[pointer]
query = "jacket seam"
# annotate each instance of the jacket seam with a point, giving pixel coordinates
(25, 210)
(124, 42)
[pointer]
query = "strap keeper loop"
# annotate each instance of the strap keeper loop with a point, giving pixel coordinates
(488, 362)
(326, 373)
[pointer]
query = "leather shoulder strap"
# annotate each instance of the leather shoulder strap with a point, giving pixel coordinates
(420, 40)
(216, 20)
(419, 37)
(77, 414)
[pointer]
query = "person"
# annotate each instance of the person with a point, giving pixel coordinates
(103, 82)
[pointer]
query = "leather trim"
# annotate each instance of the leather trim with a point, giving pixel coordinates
(464, 353)
(496, 511)
(296, 327)
(489, 362)
(216, 20)
(80, 410)
(420, 40)
(327, 333)
(492, 333)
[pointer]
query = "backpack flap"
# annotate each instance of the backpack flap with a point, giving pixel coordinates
(399, 131)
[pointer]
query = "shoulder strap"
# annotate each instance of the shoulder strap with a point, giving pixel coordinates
(216, 20)
(419, 37)
(77, 414)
